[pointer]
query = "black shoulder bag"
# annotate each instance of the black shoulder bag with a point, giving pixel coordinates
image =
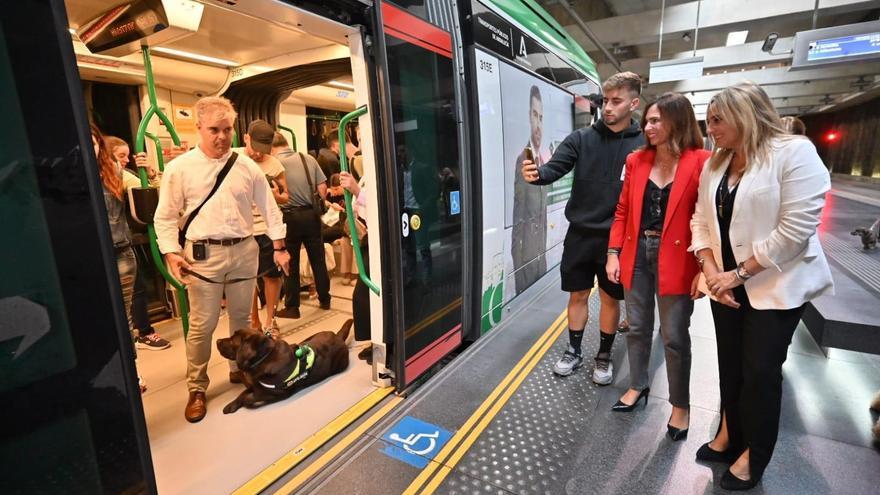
(181, 235)
(317, 200)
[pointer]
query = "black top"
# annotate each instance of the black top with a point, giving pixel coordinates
(654, 206)
(597, 154)
(724, 199)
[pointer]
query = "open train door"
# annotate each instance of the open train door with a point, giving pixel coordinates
(421, 191)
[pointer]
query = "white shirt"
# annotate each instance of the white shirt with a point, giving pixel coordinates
(228, 214)
(775, 217)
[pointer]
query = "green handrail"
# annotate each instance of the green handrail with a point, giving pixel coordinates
(292, 135)
(343, 164)
(154, 109)
(159, 158)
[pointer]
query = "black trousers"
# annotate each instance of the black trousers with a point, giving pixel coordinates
(752, 346)
(304, 228)
(360, 300)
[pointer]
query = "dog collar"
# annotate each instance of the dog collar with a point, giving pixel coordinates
(304, 363)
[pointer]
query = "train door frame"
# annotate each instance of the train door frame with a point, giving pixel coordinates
(390, 197)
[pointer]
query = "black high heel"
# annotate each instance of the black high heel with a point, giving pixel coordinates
(675, 434)
(708, 454)
(678, 434)
(621, 406)
(730, 482)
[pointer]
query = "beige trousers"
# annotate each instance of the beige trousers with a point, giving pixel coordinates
(222, 263)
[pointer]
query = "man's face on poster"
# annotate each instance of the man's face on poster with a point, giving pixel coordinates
(536, 121)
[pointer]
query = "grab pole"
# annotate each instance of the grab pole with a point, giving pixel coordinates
(343, 164)
(154, 109)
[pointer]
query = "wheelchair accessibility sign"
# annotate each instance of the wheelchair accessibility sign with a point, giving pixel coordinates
(415, 442)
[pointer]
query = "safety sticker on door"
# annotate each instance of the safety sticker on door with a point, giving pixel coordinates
(415, 442)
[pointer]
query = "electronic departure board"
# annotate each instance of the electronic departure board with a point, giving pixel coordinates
(835, 45)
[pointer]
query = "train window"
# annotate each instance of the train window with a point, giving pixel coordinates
(427, 157)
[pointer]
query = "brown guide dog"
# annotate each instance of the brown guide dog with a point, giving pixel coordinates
(272, 370)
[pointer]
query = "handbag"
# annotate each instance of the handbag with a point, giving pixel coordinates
(181, 234)
(360, 228)
(317, 201)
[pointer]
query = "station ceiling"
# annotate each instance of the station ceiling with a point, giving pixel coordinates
(630, 31)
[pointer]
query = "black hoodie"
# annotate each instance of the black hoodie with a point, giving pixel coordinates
(597, 155)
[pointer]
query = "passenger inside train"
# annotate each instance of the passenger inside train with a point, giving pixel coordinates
(293, 206)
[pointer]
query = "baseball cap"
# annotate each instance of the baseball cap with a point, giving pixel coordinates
(261, 134)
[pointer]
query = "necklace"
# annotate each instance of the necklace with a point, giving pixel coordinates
(725, 191)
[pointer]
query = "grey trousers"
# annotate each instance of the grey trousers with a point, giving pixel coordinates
(675, 316)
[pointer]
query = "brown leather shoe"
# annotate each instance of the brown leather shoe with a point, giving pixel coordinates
(235, 377)
(196, 407)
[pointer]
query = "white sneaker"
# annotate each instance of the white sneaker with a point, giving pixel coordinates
(568, 362)
(603, 370)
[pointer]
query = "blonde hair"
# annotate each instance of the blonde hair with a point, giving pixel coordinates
(746, 107)
(114, 142)
(214, 106)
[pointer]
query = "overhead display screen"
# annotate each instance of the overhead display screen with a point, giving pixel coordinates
(844, 47)
(836, 45)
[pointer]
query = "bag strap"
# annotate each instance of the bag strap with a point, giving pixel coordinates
(302, 159)
(222, 175)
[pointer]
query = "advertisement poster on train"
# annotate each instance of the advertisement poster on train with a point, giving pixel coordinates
(537, 117)
(523, 225)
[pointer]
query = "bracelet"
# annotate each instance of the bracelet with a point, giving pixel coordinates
(614, 251)
(282, 248)
(701, 261)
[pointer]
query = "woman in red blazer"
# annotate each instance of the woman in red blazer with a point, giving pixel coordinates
(647, 250)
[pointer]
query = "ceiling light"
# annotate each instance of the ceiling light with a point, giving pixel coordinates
(342, 85)
(737, 37)
(194, 56)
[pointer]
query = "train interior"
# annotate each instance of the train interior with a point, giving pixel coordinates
(232, 45)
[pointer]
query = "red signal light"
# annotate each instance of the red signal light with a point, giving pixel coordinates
(831, 136)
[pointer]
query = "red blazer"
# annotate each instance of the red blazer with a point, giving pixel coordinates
(676, 266)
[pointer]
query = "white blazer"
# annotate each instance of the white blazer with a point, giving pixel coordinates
(776, 213)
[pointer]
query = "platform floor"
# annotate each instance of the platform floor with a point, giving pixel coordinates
(557, 435)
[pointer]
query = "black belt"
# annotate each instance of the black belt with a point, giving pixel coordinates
(653, 233)
(222, 242)
(298, 207)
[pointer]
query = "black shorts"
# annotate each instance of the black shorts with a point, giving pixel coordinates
(583, 260)
(267, 261)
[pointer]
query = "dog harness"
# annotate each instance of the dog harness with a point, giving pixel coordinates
(305, 360)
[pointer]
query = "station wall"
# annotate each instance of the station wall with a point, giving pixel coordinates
(856, 149)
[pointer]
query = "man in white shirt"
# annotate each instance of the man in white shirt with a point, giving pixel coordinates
(219, 241)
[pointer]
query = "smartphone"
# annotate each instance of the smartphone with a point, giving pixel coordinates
(200, 252)
(527, 151)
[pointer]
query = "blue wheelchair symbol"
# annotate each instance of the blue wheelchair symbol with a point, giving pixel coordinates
(454, 202)
(414, 442)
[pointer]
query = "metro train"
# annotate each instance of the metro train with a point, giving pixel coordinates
(455, 92)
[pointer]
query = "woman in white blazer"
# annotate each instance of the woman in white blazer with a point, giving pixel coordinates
(754, 234)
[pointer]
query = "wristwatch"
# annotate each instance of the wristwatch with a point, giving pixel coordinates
(741, 272)
(282, 248)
